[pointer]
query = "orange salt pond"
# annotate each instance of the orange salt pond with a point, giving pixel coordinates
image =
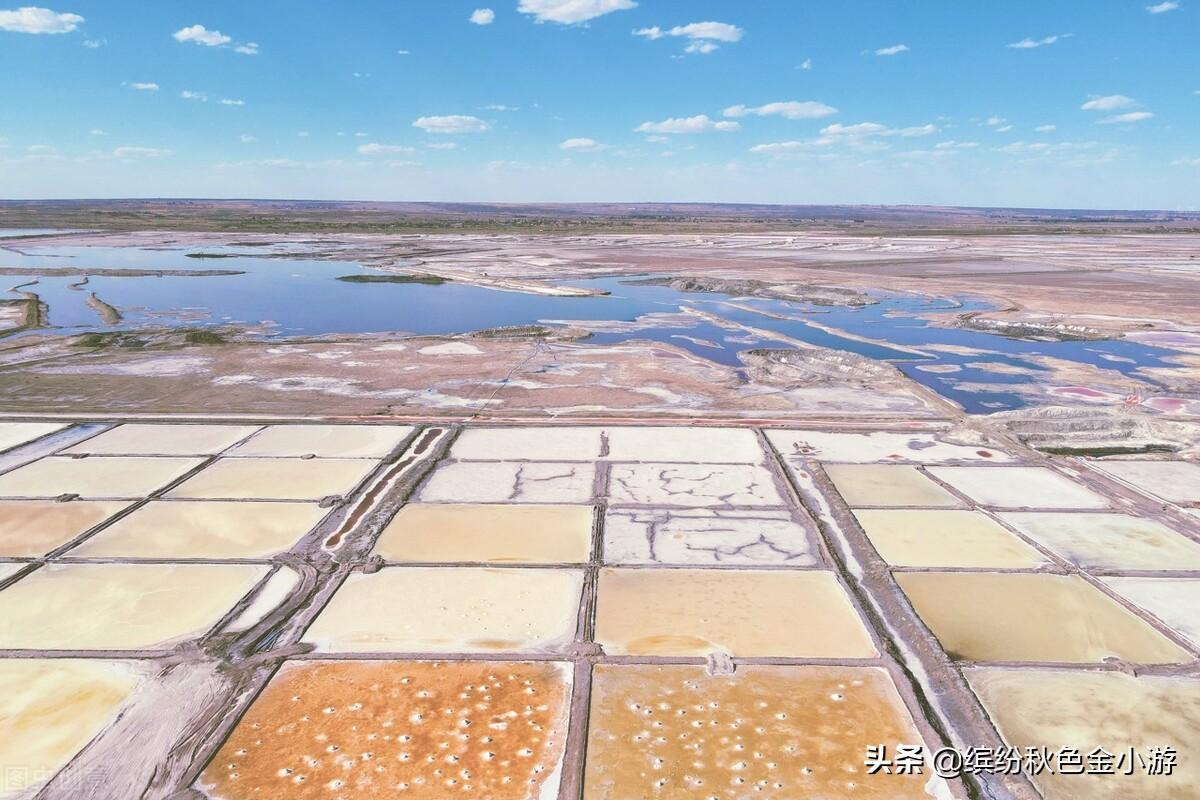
(783, 733)
(415, 730)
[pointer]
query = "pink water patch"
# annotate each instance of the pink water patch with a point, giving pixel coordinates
(1085, 393)
(1174, 405)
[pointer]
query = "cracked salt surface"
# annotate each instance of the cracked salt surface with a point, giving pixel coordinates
(705, 537)
(694, 485)
(531, 482)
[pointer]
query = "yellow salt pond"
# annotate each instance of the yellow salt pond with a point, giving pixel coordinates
(203, 529)
(325, 441)
(50, 710)
(164, 440)
(888, 485)
(694, 612)
(451, 609)
(1031, 617)
(1084, 711)
(119, 606)
(98, 477)
(919, 538)
(488, 533)
(274, 479)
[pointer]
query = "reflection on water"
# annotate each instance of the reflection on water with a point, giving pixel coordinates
(291, 297)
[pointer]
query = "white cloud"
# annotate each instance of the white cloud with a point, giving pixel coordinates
(702, 36)
(1029, 44)
(225, 101)
(128, 151)
(790, 109)
(658, 139)
(187, 94)
(582, 145)
(863, 136)
(96, 132)
(1186, 162)
(1109, 102)
(995, 122)
(94, 44)
(875, 129)
(302, 134)
(40, 149)
(697, 124)
(374, 149)
(402, 52)
(780, 147)
(32, 19)
(483, 16)
(442, 145)
(1160, 8)
(1046, 128)
(953, 145)
(569, 12)
(1132, 116)
(895, 49)
(806, 64)
(500, 107)
(247, 138)
(201, 35)
(144, 87)
(454, 123)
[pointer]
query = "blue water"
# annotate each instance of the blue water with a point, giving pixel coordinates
(297, 297)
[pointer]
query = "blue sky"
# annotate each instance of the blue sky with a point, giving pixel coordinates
(1067, 104)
